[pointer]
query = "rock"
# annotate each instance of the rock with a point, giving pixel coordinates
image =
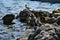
(25, 38)
(23, 15)
(40, 13)
(50, 15)
(58, 20)
(18, 39)
(46, 32)
(26, 16)
(58, 32)
(37, 13)
(31, 36)
(51, 20)
(7, 19)
(56, 13)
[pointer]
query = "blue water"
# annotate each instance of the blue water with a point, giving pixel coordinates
(14, 7)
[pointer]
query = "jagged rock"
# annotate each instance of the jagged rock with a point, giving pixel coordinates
(7, 19)
(26, 16)
(31, 36)
(46, 32)
(51, 1)
(40, 13)
(58, 20)
(23, 15)
(51, 20)
(56, 13)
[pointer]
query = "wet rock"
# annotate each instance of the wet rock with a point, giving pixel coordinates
(56, 11)
(31, 36)
(23, 15)
(58, 32)
(58, 20)
(40, 13)
(27, 17)
(37, 13)
(51, 20)
(46, 32)
(7, 19)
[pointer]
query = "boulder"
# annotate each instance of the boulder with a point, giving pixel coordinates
(7, 19)
(51, 1)
(23, 15)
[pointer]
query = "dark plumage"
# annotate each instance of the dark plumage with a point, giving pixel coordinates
(7, 19)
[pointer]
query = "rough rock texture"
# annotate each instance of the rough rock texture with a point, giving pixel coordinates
(49, 31)
(46, 32)
(7, 19)
(26, 17)
(56, 13)
(23, 16)
(58, 20)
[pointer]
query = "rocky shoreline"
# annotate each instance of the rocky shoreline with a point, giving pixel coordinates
(46, 25)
